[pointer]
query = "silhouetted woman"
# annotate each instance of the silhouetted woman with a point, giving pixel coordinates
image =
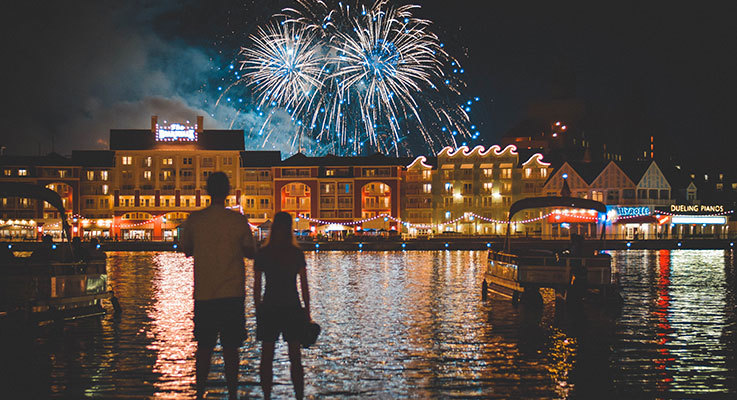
(280, 311)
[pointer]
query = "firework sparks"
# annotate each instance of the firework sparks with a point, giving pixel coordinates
(357, 79)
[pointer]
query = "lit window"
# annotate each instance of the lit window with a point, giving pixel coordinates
(447, 215)
(528, 172)
(22, 172)
(127, 160)
(7, 172)
(543, 172)
(487, 172)
(167, 161)
(147, 175)
(90, 175)
(103, 175)
(330, 172)
(488, 186)
(426, 174)
(427, 188)
(448, 187)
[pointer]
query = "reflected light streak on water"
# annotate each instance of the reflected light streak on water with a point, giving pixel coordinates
(172, 325)
(410, 324)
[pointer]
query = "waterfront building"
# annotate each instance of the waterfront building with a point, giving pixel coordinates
(419, 184)
(22, 218)
(257, 173)
(340, 194)
(95, 215)
(472, 189)
(160, 175)
(149, 181)
(643, 202)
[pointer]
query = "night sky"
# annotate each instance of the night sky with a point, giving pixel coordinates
(74, 70)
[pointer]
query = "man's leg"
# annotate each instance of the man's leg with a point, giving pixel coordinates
(202, 366)
(266, 368)
(232, 363)
(296, 370)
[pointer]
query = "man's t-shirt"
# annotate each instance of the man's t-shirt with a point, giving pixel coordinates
(219, 239)
(281, 268)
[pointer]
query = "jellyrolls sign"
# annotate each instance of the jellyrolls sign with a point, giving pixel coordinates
(632, 211)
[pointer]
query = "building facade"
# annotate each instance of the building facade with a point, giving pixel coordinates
(150, 180)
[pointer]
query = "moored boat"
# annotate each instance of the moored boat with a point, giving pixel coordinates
(581, 267)
(57, 281)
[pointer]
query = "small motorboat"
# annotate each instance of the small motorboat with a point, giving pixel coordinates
(56, 282)
(522, 272)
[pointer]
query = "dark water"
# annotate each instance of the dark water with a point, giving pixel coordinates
(406, 324)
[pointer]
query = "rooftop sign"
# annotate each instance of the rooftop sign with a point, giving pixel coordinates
(176, 133)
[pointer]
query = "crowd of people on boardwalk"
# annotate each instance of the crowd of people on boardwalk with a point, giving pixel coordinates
(220, 287)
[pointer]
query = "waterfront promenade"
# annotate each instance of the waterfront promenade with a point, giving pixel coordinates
(397, 244)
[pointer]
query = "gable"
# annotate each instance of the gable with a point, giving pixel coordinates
(555, 183)
(653, 178)
(612, 177)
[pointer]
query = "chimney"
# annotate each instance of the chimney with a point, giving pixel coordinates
(200, 124)
(154, 121)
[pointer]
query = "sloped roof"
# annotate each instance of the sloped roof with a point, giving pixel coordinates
(634, 169)
(588, 170)
(51, 159)
(677, 178)
(94, 158)
(300, 159)
(260, 158)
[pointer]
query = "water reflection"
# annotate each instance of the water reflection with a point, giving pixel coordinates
(409, 324)
(676, 316)
(171, 324)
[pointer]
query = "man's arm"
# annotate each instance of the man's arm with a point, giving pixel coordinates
(249, 243)
(186, 241)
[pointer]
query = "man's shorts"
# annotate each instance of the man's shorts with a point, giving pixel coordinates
(273, 321)
(220, 316)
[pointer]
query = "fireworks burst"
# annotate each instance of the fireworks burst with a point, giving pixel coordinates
(356, 80)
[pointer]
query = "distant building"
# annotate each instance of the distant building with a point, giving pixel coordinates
(150, 180)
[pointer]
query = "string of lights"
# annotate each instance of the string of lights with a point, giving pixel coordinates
(470, 216)
(703, 215)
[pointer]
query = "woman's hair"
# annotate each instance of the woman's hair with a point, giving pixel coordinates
(281, 235)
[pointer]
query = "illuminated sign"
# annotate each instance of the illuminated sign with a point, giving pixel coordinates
(696, 219)
(693, 208)
(176, 133)
(632, 211)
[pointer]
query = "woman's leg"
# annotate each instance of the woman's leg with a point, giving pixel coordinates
(266, 368)
(296, 370)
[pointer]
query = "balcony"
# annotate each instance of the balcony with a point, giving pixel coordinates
(258, 192)
(427, 205)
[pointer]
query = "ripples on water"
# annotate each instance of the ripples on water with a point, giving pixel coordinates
(406, 324)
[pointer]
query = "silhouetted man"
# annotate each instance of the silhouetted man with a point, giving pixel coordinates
(219, 239)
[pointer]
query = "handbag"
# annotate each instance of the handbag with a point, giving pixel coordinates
(310, 333)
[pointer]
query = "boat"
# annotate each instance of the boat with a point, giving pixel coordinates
(55, 283)
(520, 273)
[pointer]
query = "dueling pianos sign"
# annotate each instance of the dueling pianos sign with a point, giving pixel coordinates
(703, 214)
(694, 209)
